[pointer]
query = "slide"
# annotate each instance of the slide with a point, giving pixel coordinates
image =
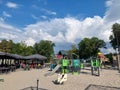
(53, 71)
(62, 78)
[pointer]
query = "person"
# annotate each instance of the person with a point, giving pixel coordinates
(21, 64)
(32, 65)
(39, 66)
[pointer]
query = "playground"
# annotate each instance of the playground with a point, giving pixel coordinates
(21, 80)
(64, 74)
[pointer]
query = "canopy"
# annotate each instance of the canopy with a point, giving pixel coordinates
(4, 55)
(36, 56)
(15, 56)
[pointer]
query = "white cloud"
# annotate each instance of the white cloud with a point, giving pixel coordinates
(113, 10)
(109, 3)
(10, 32)
(108, 50)
(69, 29)
(30, 41)
(44, 17)
(5, 14)
(12, 5)
(49, 12)
(1, 19)
(34, 17)
(8, 35)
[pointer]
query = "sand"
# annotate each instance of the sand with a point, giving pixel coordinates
(84, 81)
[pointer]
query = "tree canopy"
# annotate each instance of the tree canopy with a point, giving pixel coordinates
(44, 47)
(90, 47)
(115, 38)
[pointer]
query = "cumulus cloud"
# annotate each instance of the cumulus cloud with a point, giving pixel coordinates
(69, 29)
(10, 32)
(30, 41)
(12, 5)
(113, 10)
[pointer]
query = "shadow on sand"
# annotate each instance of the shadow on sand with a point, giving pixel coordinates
(83, 72)
(33, 88)
(100, 87)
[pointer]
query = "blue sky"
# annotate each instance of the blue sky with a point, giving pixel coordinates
(65, 22)
(31, 11)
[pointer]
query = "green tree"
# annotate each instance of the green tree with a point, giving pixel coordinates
(16, 48)
(109, 56)
(115, 40)
(29, 50)
(85, 49)
(6, 46)
(44, 47)
(22, 49)
(73, 50)
(90, 47)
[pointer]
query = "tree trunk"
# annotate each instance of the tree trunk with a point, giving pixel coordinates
(119, 59)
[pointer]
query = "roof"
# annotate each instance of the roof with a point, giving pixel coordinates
(36, 56)
(4, 55)
(15, 56)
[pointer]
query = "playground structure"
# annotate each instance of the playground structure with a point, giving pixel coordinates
(65, 66)
(74, 66)
(103, 60)
(95, 66)
(102, 57)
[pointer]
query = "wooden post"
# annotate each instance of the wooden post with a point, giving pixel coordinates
(37, 83)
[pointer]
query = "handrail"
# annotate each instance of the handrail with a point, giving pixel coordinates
(75, 55)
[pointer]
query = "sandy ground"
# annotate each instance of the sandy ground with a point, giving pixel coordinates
(21, 79)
